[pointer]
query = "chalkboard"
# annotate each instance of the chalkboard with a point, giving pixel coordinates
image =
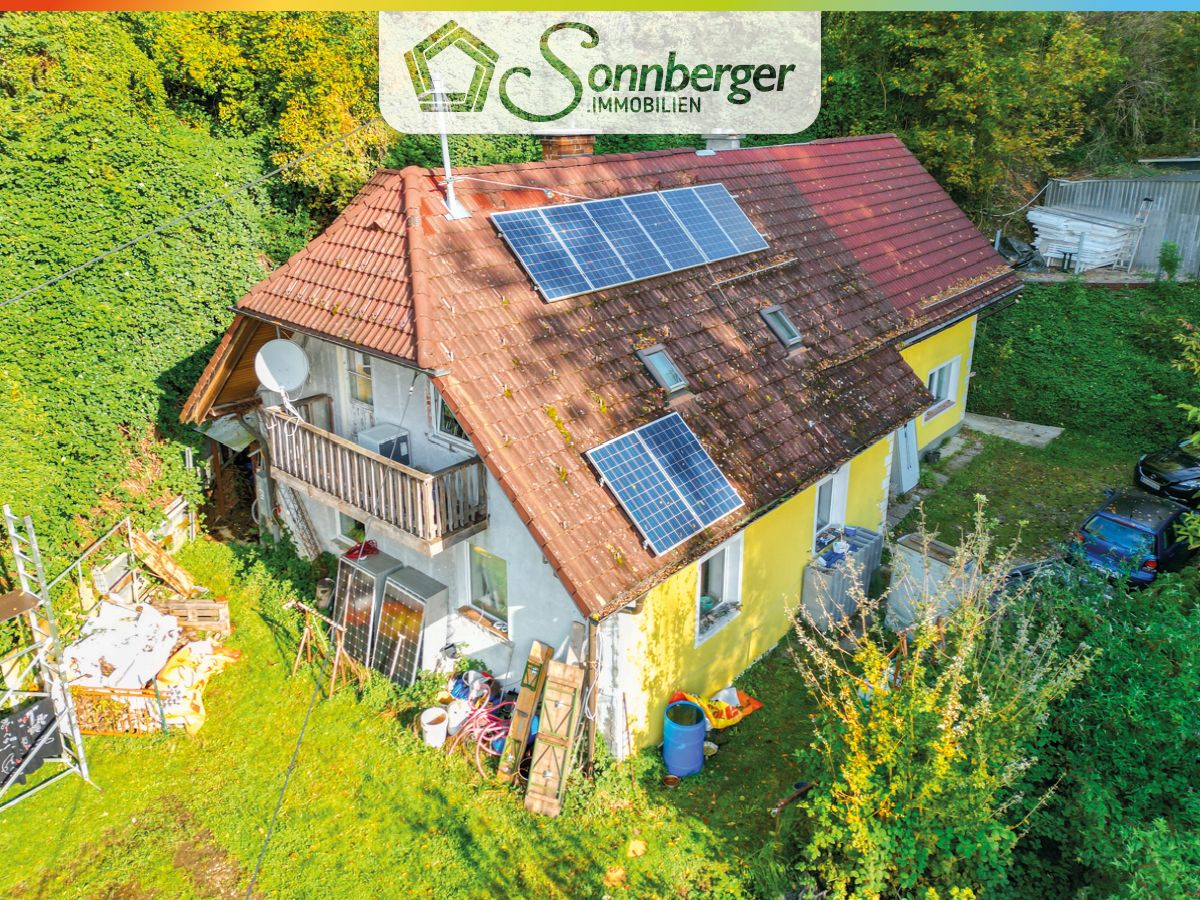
(30, 731)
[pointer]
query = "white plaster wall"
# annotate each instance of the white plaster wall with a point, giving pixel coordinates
(539, 607)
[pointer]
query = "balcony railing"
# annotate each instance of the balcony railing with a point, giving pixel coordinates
(430, 510)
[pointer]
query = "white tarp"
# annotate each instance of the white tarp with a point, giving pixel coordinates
(120, 646)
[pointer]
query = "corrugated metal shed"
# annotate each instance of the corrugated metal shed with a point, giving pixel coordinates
(1174, 215)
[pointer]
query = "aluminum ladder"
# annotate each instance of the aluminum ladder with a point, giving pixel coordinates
(40, 659)
(1133, 240)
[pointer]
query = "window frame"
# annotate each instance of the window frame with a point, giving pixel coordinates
(672, 390)
(355, 377)
(839, 486)
(470, 548)
(942, 404)
(436, 407)
(777, 326)
(730, 605)
(343, 536)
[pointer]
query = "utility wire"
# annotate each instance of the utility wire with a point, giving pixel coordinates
(187, 215)
(312, 702)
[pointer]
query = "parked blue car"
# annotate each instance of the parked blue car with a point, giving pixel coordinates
(1134, 533)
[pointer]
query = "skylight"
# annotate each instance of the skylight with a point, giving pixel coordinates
(663, 369)
(778, 321)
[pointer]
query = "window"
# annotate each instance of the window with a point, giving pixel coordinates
(719, 589)
(824, 504)
(778, 321)
(489, 583)
(351, 529)
(943, 384)
(359, 370)
(663, 369)
(444, 422)
(829, 504)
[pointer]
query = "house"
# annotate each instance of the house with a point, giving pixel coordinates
(504, 389)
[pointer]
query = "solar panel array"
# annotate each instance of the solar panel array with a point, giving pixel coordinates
(574, 248)
(666, 482)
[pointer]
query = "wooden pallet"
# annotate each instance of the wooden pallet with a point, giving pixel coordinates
(210, 616)
(126, 712)
(531, 692)
(554, 746)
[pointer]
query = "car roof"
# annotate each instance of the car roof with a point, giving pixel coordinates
(1140, 508)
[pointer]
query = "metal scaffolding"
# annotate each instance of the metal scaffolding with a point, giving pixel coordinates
(32, 675)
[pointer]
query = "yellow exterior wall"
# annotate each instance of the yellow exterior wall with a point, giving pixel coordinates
(925, 356)
(661, 654)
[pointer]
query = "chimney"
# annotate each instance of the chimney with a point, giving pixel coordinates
(722, 140)
(565, 144)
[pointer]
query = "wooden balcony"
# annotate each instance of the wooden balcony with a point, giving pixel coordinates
(429, 511)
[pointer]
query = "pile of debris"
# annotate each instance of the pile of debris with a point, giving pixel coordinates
(149, 645)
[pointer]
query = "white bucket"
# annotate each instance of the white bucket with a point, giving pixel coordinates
(433, 726)
(456, 714)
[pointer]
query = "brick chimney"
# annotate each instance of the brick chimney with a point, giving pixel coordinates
(563, 145)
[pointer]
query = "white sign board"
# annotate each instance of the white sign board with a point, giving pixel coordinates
(600, 72)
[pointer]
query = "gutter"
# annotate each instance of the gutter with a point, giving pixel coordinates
(909, 340)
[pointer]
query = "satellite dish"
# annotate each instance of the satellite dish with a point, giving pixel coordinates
(281, 366)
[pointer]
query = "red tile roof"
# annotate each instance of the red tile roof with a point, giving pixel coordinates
(536, 384)
(353, 281)
(908, 235)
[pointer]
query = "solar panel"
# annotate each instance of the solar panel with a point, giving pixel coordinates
(628, 238)
(543, 255)
(700, 223)
(665, 480)
(726, 211)
(574, 248)
(593, 254)
(665, 231)
(691, 469)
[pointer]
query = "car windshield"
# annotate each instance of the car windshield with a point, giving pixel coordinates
(1121, 534)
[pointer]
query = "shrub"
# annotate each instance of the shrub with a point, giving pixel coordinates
(918, 752)
(1169, 259)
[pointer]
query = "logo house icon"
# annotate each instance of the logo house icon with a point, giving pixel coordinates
(452, 35)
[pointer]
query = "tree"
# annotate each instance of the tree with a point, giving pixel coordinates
(989, 102)
(298, 79)
(1189, 362)
(1121, 750)
(919, 747)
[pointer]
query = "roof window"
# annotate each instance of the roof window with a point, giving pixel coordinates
(663, 369)
(778, 321)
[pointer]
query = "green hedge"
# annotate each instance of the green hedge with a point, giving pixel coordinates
(1091, 359)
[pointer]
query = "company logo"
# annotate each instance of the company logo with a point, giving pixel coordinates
(607, 72)
(452, 35)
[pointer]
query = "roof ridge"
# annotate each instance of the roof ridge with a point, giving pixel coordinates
(424, 321)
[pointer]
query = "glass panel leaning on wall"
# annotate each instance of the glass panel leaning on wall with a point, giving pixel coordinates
(489, 584)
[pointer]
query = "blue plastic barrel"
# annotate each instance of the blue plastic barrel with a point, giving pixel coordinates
(684, 729)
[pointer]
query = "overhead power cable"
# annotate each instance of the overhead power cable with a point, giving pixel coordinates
(191, 212)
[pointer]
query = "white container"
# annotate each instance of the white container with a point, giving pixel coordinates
(433, 726)
(456, 714)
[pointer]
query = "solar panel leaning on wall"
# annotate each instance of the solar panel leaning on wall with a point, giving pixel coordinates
(665, 481)
(574, 248)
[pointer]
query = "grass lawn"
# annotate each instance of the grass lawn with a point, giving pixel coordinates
(1036, 496)
(372, 812)
(1095, 361)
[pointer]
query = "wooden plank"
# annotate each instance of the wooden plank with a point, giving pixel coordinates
(532, 683)
(162, 565)
(554, 746)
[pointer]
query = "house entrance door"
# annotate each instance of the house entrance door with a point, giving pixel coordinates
(906, 469)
